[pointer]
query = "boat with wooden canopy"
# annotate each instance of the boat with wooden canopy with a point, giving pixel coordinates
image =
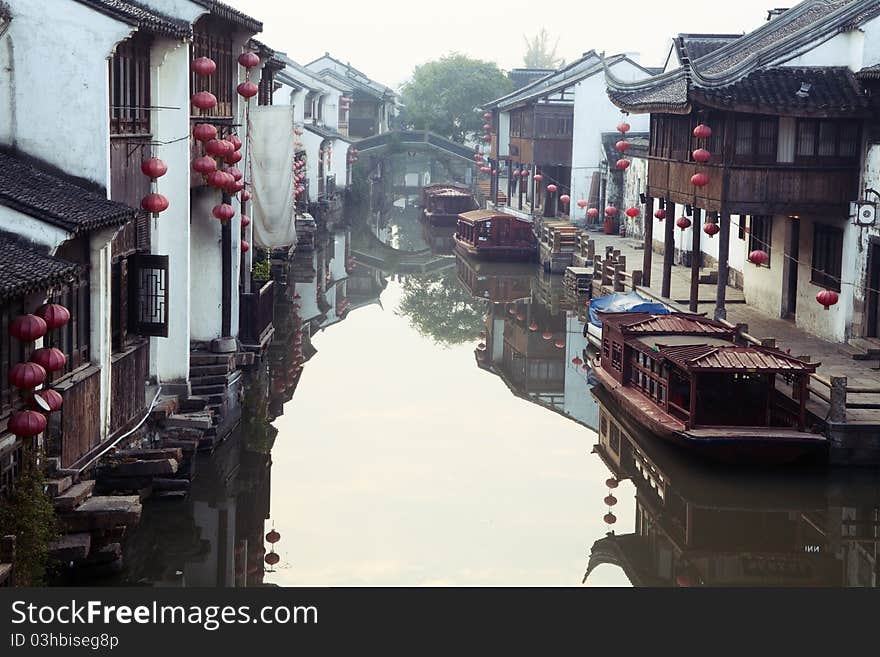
(494, 235)
(685, 379)
(442, 203)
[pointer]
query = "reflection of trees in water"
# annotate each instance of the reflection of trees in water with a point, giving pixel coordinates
(439, 308)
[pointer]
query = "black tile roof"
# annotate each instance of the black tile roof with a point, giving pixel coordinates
(691, 47)
(36, 192)
(24, 270)
(664, 93)
(142, 17)
(222, 10)
(523, 76)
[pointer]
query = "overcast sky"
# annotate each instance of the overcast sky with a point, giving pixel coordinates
(386, 38)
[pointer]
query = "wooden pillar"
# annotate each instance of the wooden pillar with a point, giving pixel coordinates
(723, 269)
(696, 231)
(510, 182)
(802, 402)
(648, 254)
(668, 249)
(838, 399)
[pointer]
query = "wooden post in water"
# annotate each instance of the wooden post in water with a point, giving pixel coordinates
(648, 253)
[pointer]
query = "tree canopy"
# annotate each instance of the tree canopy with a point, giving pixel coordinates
(442, 95)
(539, 53)
(440, 308)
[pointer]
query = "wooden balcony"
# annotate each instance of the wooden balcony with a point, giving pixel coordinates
(757, 189)
(541, 151)
(257, 313)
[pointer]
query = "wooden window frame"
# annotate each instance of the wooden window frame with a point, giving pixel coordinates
(129, 76)
(74, 338)
(827, 264)
(12, 351)
(838, 127)
(210, 40)
(761, 235)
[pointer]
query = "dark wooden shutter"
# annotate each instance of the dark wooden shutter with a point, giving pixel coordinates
(148, 294)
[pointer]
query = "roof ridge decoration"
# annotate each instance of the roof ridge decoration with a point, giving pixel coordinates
(141, 16)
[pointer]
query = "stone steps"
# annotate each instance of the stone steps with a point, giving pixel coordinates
(870, 347)
(74, 496)
(202, 358)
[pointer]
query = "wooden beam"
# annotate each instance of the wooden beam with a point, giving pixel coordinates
(668, 249)
(648, 253)
(696, 231)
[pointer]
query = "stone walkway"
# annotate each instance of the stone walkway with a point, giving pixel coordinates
(834, 360)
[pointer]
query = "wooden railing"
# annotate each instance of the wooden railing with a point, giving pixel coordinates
(257, 314)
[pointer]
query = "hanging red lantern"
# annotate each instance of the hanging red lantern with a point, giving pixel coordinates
(623, 146)
(524, 173)
(701, 155)
(538, 177)
(481, 347)
(235, 140)
(204, 165)
(711, 229)
(610, 518)
(204, 132)
(219, 147)
(487, 138)
(516, 173)
(235, 172)
(28, 328)
(273, 537)
(27, 424)
(581, 204)
(50, 359)
(533, 327)
(564, 199)
(520, 317)
(622, 165)
(577, 361)
(233, 158)
(219, 179)
(26, 375)
(204, 100)
(592, 213)
(660, 214)
(51, 401)
(758, 257)
(827, 298)
(684, 581)
(559, 344)
(699, 180)
(245, 221)
(487, 127)
(245, 246)
(154, 168)
(54, 314)
(551, 188)
(248, 89)
(203, 66)
(683, 222)
(702, 131)
(547, 335)
(623, 127)
(611, 482)
(610, 500)
(249, 59)
(610, 211)
(632, 213)
(223, 212)
(487, 116)
(154, 203)
(245, 196)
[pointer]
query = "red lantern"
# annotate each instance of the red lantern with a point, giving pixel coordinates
(564, 199)
(245, 221)
(205, 165)
(551, 188)
(272, 558)
(702, 131)
(245, 196)
(711, 229)
(623, 146)
(538, 177)
(204, 100)
(547, 335)
(524, 173)
(516, 173)
(758, 257)
(154, 168)
(54, 314)
(612, 483)
(248, 89)
(154, 203)
(487, 127)
(533, 327)
(219, 147)
(233, 158)
(610, 518)
(245, 246)
(28, 328)
(660, 214)
(219, 179)
(203, 66)
(27, 424)
(50, 359)
(223, 212)
(487, 116)
(481, 347)
(593, 213)
(623, 127)
(632, 213)
(622, 165)
(576, 361)
(701, 155)
(520, 317)
(559, 344)
(827, 298)
(235, 141)
(249, 59)
(273, 537)
(487, 138)
(235, 172)
(52, 399)
(204, 132)
(610, 211)
(683, 222)
(581, 204)
(699, 180)
(26, 375)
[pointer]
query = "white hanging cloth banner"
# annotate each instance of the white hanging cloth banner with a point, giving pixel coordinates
(272, 164)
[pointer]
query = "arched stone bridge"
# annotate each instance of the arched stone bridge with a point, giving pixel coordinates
(411, 139)
(369, 250)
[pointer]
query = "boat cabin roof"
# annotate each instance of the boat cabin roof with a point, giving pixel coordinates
(675, 324)
(480, 216)
(446, 189)
(715, 358)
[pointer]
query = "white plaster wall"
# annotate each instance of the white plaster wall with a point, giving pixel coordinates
(100, 329)
(845, 49)
(504, 134)
(58, 52)
(337, 264)
(762, 287)
(635, 183)
(594, 114)
(339, 162)
(312, 144)
(207, 266)
(36, 231)
(871, 43)
(171, 231)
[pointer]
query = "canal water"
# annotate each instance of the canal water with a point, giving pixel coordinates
(428, 420)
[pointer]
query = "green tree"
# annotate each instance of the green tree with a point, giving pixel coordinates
(442, 95)
(539, 54)
(438, 307)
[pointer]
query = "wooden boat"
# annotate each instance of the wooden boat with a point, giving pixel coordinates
(621, 302)
(494, 235)
(684, 379)
(442, 203)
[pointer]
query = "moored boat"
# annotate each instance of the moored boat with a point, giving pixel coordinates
(442, 203)
(493, 235)
(618, 303)
(684, 379)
